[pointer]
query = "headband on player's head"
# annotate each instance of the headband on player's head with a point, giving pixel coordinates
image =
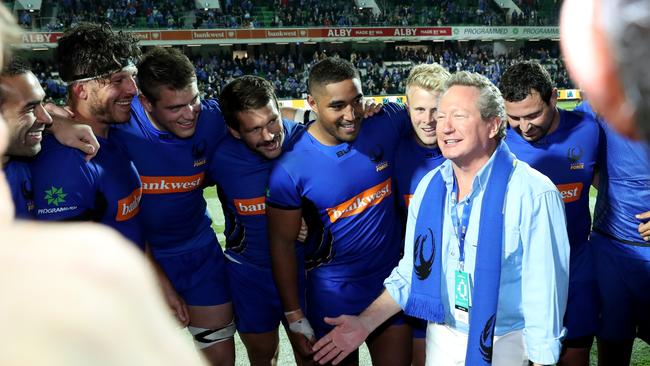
(127, 65)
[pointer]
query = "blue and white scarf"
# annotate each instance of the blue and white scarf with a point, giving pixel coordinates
(425, 298)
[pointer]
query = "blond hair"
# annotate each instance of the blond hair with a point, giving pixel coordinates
(430, 77)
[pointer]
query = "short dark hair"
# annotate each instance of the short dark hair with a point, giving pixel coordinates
(242, 94)
(94, 50)
(15, 66)
(164, 67)
(520, 79)
(331, 70)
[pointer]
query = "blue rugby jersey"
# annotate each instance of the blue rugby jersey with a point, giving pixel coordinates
(173, 172)
(412, 163)
(242, 177)
(347, 192)
(568, 157)
(107, 189)
(623, 190)
(19, 178)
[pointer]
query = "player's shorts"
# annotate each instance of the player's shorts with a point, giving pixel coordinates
(199, 275)
(581, 317)
(331, 298)
(623, 289)
(255, 298)
(418, 326)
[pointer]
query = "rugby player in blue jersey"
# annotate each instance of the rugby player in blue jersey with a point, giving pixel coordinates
(564, 146)
(240, 167)
(339, 177)
(606, 50)
(171, 136)
(417, 154)
(101, 86)
(21, 104)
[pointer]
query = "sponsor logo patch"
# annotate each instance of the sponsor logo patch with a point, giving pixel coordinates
(359, 203)
(55, 196)
(129, 206)
(251, 206)
(570, 192)
(164, 185)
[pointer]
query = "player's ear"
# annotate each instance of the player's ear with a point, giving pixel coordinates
(312, 103)
(234, 133)
(80, 90)
(146, 103)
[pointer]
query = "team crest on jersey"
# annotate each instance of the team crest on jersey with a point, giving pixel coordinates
(574, 154)
(198, 153)
(377, 156)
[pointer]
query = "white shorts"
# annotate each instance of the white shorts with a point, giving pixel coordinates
(447, 347)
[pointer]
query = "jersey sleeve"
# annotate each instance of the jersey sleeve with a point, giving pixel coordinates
(399, 118)
(283, 192)
(64, 185)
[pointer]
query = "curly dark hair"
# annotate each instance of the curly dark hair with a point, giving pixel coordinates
(164, 67)
(92, 50)
(242, 94)
(331, 70)
(520, 79)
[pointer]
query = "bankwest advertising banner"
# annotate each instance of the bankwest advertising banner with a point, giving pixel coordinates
(351, 34)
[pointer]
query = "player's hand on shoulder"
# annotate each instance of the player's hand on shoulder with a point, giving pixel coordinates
(370, 107)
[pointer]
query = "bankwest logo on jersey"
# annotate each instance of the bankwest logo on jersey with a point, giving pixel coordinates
(163, 185)
(251, 206)
(357, 204)
(129, 206)
(570, 192)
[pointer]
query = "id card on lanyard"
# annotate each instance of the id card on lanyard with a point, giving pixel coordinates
(462, 284)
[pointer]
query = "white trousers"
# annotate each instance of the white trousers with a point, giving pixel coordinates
(447, 347)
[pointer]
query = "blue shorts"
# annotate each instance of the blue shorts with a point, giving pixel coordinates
(256, 301)
(581, 317)
(623, 289)
(198, 276)
(418, 326)
(333, 298)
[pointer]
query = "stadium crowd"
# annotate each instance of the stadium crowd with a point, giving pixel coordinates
(382, 75)
(173, 14)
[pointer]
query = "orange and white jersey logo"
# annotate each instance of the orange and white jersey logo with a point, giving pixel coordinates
(129, 206)
(407, 199)
(570, 192)
(359, 203)
(175, 184)
(251, 206)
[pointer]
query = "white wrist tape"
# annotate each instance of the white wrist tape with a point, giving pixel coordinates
(302, 326)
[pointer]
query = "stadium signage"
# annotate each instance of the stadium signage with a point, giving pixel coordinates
(493, 33)
(346, 34)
